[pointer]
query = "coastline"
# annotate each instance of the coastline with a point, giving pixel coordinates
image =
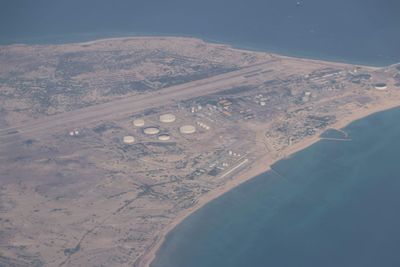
(262, 164)
(253, 170)
(233, 47)
(98, 38)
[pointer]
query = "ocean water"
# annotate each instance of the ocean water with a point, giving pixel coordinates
(358, 31)
(332, 204)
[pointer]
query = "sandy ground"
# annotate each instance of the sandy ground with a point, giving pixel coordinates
(256, 168)
(98, 246)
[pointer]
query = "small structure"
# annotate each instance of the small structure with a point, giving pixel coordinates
(138, 123)
(205, 126)
(306, 96)
(187, 129)
(167, 118)
(380, 86)
(128, 139)
(163, 137)
(74, 133)
(151, 130)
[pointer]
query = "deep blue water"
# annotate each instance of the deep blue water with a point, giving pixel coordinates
(359, 31)
(332, 204)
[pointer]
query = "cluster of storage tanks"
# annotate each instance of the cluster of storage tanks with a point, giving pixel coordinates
(155, 130)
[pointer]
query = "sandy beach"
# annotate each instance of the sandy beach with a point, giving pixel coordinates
(256, 168)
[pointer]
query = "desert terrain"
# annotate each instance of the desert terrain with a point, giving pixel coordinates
(105, 146)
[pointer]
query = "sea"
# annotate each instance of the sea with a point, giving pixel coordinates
(356, 31)
(334, 204)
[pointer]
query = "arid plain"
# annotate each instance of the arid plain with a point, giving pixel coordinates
(74, 191)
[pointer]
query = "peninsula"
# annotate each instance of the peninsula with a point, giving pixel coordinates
(106, 146)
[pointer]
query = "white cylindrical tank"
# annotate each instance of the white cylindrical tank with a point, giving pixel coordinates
(138, 123)
(128, 140)
(187, 129)
(151, 130)
(380, 86)
(163, 137)
(167, 118)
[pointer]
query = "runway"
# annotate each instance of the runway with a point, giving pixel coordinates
(133, 104)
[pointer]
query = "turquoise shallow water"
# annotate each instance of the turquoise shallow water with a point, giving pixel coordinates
(332, 204)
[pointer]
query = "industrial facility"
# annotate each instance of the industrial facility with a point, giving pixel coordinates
(167, 118)
(164, 137)
(128, 139)
(187, 129)
(151, 131)
(138, 123)
(380, 86)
